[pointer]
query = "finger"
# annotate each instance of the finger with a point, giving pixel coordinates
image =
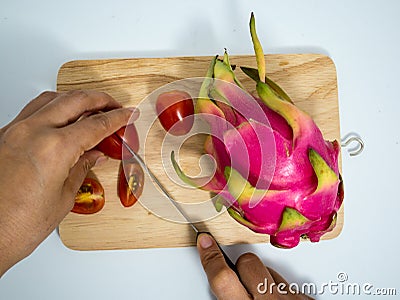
(68, 107)
(223, 281)
(88, 132)
(135, 113)
(78, 173)
(33, 106)
(278, 279)
(256, 277)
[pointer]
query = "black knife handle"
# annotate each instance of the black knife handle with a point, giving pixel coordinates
(228, 261)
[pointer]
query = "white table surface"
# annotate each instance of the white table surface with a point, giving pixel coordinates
(362, 37)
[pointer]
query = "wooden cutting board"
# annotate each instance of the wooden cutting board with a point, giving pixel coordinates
(309, 79)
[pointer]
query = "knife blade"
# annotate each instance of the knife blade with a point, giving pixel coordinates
(173, 202)
(158, 183)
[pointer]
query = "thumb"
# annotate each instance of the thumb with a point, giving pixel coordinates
(223, 281)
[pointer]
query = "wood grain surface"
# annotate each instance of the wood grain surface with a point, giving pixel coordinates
(309, 79)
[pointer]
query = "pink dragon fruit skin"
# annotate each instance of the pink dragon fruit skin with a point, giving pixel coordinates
(289, 188)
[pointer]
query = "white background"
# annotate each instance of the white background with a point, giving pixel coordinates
(362, 38)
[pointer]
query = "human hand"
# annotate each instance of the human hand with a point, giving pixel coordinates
(251, 281)
(45, 153)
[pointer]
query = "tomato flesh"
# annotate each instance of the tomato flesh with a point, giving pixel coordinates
(90, 197)
(175, 111)
(112, 145)
(130, 182)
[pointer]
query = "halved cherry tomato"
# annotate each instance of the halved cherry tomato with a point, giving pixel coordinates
(130, 182)
(175, 111)
(112, 145)
(90, 197)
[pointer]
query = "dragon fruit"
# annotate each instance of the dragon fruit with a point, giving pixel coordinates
(288, 185)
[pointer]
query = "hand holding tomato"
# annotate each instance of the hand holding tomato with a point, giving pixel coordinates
(45, 154)
(112, 145)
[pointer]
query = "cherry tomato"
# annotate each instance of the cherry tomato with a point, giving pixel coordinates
(112, 145)
(130, 182)
(90, 197)
(175, 111)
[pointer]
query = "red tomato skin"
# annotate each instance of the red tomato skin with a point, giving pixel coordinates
(130, 172)
(90, 197)
(112, 145)
(175, 111)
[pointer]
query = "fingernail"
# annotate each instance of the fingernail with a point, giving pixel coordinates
(100, 160)
(205, 241)
(135, 113)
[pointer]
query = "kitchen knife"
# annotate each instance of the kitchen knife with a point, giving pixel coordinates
(173, 202)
